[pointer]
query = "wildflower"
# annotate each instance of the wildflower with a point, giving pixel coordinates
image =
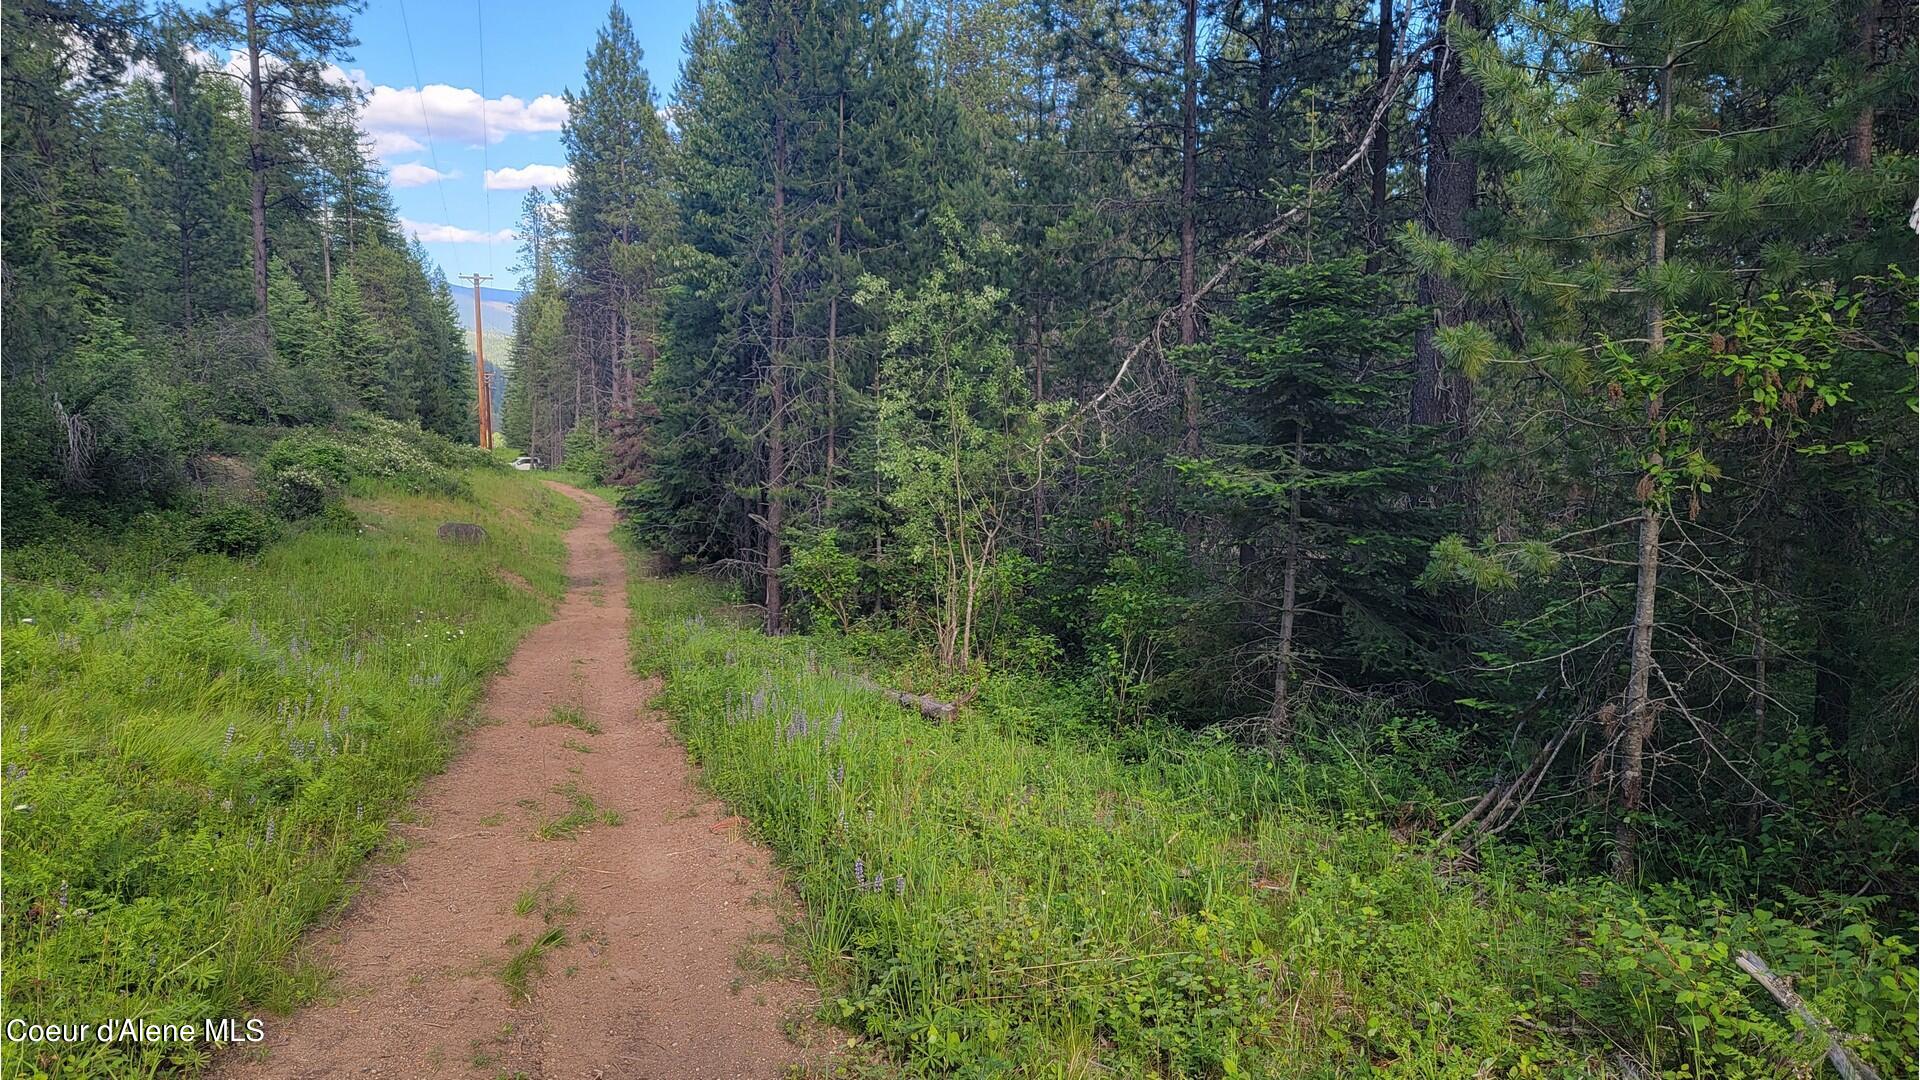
(226, 744)
(226, 804)
(840, 773)
(271, 823)
(61, 897)
(900, 885)
(860, 873)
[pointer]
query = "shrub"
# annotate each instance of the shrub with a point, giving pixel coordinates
(233, 528)
(370, 448)
(830, 576)
(297, 492)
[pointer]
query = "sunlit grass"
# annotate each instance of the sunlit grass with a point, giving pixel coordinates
(995, 896)
(198, 751)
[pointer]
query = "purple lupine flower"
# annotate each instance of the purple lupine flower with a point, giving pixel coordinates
(900, 885)
(271, 823)
(860, 873)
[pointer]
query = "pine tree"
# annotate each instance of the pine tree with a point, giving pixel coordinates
(1654, 160)
(359, 351)
(1307, 372)
(619, 222)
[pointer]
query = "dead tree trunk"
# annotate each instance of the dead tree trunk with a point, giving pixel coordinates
(1189, 191)
(1377, 153)
(1440, 395)
(1280, 719)
(257, 168)
(776, 312)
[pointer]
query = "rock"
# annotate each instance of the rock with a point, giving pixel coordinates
(459, 532)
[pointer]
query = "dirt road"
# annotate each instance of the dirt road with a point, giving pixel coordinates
(570, 905)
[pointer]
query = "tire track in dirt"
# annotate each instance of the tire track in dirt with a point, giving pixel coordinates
(642, 921)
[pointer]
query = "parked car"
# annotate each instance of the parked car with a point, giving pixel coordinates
(525, 463)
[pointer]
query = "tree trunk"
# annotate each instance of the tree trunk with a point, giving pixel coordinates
(776, 312)
(1639, 709)
(1280, 719)
(257, 166)
(1439, 395)
(1377, 153)
(833, 303)
(1860, 139)
(1189, 190)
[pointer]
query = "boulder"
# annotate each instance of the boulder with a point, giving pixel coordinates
(459, 532)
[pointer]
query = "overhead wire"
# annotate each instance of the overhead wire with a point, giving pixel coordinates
(426, 125)
(486, 165)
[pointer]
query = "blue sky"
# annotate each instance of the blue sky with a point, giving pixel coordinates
(534, 50)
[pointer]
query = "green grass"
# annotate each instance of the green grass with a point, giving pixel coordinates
(582, 812)
(529, 957)
(199, 751)
(990, 897)
(568, 716)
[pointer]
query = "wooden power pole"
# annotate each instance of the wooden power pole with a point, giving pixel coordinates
(484, 402)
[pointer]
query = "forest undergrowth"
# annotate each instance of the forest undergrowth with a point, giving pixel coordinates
(1023, 892)
(201, 748)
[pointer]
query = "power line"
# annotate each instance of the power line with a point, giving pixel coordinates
(432, 155)
(486, 165)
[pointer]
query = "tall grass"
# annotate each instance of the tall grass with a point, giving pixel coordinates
(198, 751)
(982, 898)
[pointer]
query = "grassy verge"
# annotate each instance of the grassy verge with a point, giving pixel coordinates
(199, 750)
(984, 898)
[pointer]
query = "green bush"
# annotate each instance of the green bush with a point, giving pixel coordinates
(296, 492)
(828, 575)
(369, 448)
(233, 528)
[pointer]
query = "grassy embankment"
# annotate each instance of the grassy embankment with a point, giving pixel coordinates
(199, 750)
(1013, 894)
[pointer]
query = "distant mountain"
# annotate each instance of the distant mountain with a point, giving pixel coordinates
(497, 307)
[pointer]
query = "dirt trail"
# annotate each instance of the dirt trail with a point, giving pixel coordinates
(655, 910)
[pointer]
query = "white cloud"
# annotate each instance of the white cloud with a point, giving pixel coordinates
(413, 174)
(530, 176)
(388, 144)
(456, 114)
(431, 233)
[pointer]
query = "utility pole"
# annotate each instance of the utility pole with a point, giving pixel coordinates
(480, 363)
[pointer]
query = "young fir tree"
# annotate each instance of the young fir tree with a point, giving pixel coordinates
(359, 350)
(1306, 457)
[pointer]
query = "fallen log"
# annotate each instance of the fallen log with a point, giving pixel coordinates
(926, 704)
(1849, 1067)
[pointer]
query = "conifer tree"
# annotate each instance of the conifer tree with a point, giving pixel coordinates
(619, 221)
(360, 350)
